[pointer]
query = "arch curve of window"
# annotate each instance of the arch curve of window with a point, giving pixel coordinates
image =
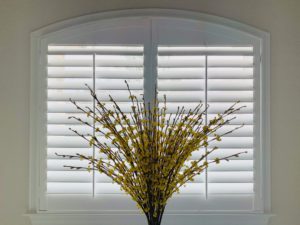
(191, 57)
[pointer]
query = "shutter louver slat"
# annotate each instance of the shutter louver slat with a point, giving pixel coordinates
(108, 72)
(69, 188)
(58, 130)
(230, 72)
(62, 118)
(223, 152)
(181, 61)
(180, 85)
(178, 73)
(230, 84)
(239, 119)
(66, 106)
(65, 95)
(58, 165)
(51, 152)
(71, 176)
(118, 84)
(215, 96)
(230, 177)
(68, 83)
(119, 61)
(214, 107)
(69, 72)
(181, 96)
(230, 61)
(84, 95)
(66, 142)
(70, 60)
(228, 96)
(119, 72)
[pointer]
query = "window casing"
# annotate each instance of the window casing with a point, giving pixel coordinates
(156, 35)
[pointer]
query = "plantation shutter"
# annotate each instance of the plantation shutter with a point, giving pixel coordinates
(190, 62)
(217, 76)
(104, 69)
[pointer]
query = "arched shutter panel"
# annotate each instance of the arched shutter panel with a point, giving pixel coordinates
(190, 61)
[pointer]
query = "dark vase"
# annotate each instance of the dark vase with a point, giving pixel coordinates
(154, 220)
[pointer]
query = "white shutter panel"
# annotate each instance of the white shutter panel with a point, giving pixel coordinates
(218, 76)
(69, 68)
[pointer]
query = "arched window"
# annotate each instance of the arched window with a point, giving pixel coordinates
(191, 57)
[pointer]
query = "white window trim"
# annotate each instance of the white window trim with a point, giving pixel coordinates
(38, 86)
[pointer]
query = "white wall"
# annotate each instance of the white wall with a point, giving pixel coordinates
(279, 17)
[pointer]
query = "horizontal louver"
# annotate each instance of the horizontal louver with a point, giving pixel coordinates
(103, 68)
(217, 76)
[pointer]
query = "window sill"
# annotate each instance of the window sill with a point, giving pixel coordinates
(138, 219)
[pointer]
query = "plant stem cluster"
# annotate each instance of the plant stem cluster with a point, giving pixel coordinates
(148, 151)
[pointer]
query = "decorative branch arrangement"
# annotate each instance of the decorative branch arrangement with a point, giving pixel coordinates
(148, 151)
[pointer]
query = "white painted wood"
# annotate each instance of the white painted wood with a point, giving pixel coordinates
(137, 219)
(137, 19)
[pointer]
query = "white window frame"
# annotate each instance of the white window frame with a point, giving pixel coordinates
(41, 37)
